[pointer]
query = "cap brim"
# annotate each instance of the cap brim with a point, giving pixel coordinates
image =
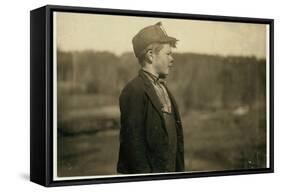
(169, 39)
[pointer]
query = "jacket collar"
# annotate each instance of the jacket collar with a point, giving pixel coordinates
(149, 89)
(154, 78)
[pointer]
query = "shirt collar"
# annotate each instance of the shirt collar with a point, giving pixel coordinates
(153, 77)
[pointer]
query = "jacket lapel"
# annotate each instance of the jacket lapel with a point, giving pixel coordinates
(149, 89)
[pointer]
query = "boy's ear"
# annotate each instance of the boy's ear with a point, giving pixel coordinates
(149, 56)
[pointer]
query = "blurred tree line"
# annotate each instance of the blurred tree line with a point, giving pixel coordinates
(198, 81)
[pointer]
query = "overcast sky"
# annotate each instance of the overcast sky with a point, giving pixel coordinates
(78, 31)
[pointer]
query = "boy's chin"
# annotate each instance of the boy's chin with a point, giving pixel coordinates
(163, 75)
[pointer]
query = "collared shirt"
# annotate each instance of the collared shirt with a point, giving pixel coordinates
(160, 91)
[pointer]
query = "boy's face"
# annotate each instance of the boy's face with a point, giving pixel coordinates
(163, 60)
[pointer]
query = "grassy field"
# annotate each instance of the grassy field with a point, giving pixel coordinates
(214, 140)
(222, 140)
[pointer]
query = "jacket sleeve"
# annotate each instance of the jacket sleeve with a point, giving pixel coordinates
(132, 134)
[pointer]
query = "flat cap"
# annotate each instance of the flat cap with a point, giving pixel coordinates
(151, 34)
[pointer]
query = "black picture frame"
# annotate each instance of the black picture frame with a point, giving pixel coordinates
(41, 81)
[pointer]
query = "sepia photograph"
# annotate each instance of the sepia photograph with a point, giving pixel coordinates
(140, 95)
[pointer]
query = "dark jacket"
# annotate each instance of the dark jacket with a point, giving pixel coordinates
(143, 135)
